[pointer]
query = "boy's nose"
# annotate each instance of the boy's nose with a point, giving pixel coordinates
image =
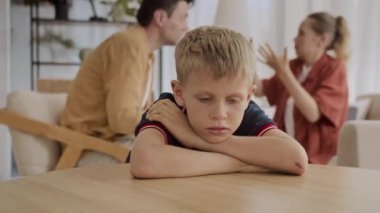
(218, 113)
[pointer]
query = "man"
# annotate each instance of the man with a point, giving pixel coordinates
(113, 84)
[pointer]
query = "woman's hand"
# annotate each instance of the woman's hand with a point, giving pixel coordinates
(280, 63)
(167, 113)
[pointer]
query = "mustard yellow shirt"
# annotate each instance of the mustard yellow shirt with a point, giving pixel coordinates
(106, 98)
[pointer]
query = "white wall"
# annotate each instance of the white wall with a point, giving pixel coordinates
(5, 147)
(20, 43)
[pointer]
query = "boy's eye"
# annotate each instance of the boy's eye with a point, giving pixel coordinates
(205, 99)
(234, 100)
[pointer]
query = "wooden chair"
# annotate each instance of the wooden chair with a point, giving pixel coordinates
(34, 116)
(53, 85)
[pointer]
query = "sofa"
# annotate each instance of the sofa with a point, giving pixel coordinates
(359, 141)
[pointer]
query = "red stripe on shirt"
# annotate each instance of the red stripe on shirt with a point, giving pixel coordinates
(265, 128)
(147, 126)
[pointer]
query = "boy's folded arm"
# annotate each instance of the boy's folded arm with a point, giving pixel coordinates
(274, 150)
(151, 157)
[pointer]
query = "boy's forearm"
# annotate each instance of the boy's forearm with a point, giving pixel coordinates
(273, 152)
(169, 161)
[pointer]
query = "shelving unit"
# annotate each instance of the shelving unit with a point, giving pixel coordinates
(35, 39)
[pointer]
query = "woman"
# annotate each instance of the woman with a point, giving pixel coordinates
(310, 92)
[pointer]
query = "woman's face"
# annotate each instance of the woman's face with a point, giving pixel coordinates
(307, 42)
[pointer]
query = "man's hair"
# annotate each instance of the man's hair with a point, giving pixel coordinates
(148, 7)
(219, 51)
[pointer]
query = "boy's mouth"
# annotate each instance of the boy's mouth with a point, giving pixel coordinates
(217, 130)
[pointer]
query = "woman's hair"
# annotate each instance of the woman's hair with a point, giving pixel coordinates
(148, 7)
(337, 30)
(217, 51)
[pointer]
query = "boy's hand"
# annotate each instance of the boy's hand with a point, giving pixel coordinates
(167, 113)
(279, 63)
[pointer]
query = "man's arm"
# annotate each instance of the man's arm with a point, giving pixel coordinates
(125, 84)
(151, 157)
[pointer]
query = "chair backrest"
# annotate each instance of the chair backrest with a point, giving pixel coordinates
(374, 106)
(33, 154)
(359, 144)
(53, 85)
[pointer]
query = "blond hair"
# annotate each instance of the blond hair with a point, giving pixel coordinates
(337, 29)
(217, 51)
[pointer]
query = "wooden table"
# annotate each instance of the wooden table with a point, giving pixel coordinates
(111, 189)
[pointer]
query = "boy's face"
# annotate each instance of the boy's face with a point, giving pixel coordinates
(215, 108)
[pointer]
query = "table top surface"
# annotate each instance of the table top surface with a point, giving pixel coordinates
(112, 189)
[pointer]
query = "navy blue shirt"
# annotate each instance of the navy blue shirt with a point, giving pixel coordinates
(255, 122)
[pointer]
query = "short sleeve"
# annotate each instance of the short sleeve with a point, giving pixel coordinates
(332, 94)
(255, 122)
(146, 123)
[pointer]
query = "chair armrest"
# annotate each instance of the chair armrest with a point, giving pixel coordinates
(74, 142)
(359, 144)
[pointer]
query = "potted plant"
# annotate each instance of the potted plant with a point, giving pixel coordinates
(53, 40)
(123, 10)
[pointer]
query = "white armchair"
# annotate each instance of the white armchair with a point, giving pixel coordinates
(37, 138)
(359, 143)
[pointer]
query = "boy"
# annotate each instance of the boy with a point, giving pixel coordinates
(209, 125)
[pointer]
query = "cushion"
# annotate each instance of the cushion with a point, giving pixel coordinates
(352, 112)
(95, 158)
(374, 109)
(34, 155)
(362, 106)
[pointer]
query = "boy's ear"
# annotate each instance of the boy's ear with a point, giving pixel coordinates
(252, 89)
(159, 17)
(177, 92)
